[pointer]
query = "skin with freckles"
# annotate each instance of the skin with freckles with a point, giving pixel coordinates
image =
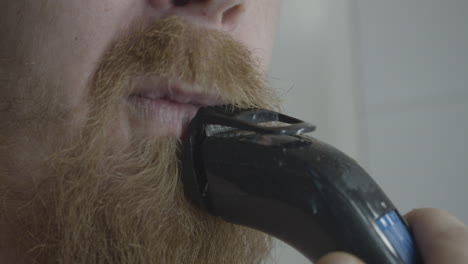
(94, 98)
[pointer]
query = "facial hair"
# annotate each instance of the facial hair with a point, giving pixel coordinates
(104, 201)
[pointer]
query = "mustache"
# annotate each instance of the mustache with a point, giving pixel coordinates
(172, 49)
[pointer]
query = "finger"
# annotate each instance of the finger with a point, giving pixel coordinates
(440, 237)
(339, 258)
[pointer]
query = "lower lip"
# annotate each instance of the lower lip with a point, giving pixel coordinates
(166, 116)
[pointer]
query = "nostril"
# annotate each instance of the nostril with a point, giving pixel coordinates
(231, 15)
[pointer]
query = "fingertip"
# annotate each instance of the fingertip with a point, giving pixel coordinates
(431, 216)
(339, 258)
(439, 235)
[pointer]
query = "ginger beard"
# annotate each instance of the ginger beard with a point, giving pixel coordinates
(107, 199)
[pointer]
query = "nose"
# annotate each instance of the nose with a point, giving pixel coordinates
(217, 14)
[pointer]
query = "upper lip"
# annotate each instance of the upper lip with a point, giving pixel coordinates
(177, 92)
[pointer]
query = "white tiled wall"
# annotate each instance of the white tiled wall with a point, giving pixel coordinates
(387, 82)
(420, 155)
(414, 69)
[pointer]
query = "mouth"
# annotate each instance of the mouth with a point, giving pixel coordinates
(169, 107)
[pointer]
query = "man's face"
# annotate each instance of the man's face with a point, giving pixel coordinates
(94, 98)
(61, 44)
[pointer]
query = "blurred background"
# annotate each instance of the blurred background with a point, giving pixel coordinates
(387, 83)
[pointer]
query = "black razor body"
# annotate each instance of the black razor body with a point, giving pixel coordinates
(291, 186)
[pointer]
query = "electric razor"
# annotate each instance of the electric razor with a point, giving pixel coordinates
(256, 168)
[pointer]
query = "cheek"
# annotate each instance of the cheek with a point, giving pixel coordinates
(60, 44)
(257, 29)
(76, 43)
